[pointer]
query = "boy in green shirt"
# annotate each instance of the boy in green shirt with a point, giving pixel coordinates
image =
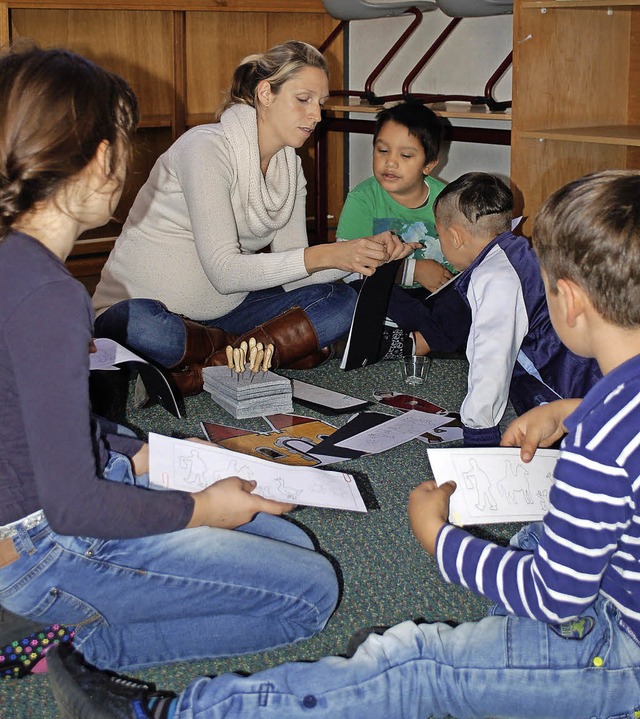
(400, 194)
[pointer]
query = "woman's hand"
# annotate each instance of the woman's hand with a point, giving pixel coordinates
(431, 274)
(363, 256)
(396, 248)
(229, 503)
(539, 427)
(429, 511)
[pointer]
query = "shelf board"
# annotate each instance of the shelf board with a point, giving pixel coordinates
(154, 121)
(266, 6)
(585, 4)
(443, 109)
(92, 246)
(626, 135)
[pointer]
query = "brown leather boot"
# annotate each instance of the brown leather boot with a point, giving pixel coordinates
(293, 338)
(201, 343)
(295, 346)
(313, 360)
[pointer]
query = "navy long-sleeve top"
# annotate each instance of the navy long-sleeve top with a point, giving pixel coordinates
(590, 545)
(51, 453)
(497, 307)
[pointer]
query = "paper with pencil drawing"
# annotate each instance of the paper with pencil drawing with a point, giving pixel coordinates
(493, 484)
(109, 353)
(192, 466)
(397, 430)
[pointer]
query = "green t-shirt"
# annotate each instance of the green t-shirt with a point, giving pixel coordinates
(369, 210)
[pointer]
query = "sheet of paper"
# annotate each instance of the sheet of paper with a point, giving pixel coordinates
(450, 431)
(328, 448)
(397, 430)
(493, 484)
(324, 397)
(192, 466)
(109, 353)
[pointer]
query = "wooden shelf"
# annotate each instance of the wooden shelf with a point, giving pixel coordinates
(625, 135)
(93, 246)
(199, 118)
(584, 4)
(149, 122)
(576, 105)
(301, 6)
(449, 109)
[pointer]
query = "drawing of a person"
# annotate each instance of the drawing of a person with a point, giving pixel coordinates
(478, 478)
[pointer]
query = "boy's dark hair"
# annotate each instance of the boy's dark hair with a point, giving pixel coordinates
(57, 107)
(589, 232)
(421, 122)
(484, 201)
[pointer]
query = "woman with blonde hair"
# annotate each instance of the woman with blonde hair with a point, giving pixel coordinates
(215, 246)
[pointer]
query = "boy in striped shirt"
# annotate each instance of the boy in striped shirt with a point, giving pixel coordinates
(565, 640)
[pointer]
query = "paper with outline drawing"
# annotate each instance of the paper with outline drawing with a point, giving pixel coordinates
(493, 484)
(397, 430)
(192, 466)
(109, 353)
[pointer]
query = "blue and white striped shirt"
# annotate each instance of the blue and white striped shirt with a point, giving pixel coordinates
(591, 539)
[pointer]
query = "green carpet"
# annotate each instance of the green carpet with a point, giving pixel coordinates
(387, 576)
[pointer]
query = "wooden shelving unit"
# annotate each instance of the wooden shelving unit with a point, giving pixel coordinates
(576, 93)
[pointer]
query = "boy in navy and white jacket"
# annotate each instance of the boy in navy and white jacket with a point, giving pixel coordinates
(496, 307)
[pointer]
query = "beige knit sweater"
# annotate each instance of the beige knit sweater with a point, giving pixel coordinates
(193, 232)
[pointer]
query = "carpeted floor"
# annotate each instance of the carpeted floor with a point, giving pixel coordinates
(386, 575)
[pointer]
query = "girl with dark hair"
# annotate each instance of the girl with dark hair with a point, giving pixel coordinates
(145, 576)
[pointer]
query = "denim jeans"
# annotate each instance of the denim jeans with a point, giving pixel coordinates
(500, 666)
(149, 329)
(190, 594)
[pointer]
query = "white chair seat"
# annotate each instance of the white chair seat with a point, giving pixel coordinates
(475, 8)
(366, 9)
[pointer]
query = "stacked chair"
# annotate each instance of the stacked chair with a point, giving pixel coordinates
(349, 10)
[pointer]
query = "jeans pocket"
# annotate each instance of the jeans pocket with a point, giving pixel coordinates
(58, 605)
(35, 586)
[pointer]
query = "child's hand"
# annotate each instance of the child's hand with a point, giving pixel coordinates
(539, 427)
(363, 255)
(140, 460)
(431, 274)
(429, 511)
(396, 247)
(229, 503)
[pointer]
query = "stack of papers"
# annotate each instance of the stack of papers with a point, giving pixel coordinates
(248, 394)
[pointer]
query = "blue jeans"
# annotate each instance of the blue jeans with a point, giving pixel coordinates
(496, 667)
(149, 329)
(191, 594)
